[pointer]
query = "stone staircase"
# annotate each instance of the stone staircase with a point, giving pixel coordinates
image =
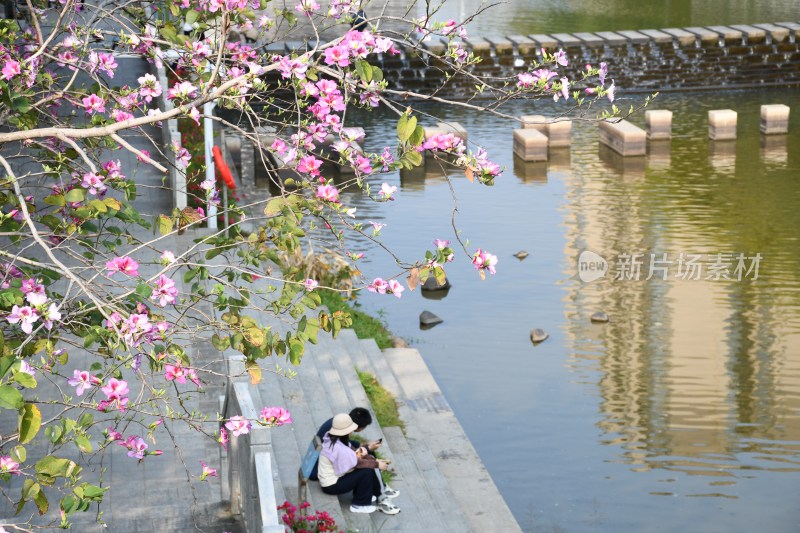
(443, 484)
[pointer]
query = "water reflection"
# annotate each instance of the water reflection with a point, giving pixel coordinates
(694, 374)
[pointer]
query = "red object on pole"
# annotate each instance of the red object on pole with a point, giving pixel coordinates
(222, 168)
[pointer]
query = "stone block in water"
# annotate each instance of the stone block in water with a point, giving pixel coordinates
(559, 133)
(774, 119)
(624, 138)
(534, 122)
(722, 124)
(659, 124)
(530, 145)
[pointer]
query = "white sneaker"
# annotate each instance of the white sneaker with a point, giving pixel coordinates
(389, 492)
(362, 508)
(387, 507)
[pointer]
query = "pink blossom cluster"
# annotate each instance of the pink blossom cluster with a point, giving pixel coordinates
(138, 328)
(444, 142)
(275, 416)
(39, 306)
(358, 45)
(382, 286)
(238, 425)
(8, 466)
(483, 260)
(116, 391)
(136, 446)
(165, 291)
(179, 374)
(212, 6)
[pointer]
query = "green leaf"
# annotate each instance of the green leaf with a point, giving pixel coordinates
(29, 489)
(364, 70)
(275, 206)
(19, 454)
(75, 195)
(99, 206)
(83, 444)
(254, 336)
(417, 137)
(24, 379)
(50, 467)
(220, 343)
(296, 350)
(30, 420)
(165, 224)
(21, 105)
(413, 157)
(5, 364)
(55, 199)
(144, 291)
(405, 127)
(192, 16)
(10, 398)
(41, 502)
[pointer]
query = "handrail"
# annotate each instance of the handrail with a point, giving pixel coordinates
(249, 456)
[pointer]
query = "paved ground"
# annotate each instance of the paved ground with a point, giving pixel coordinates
(161, 493)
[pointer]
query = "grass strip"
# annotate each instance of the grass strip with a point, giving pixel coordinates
(365, 326)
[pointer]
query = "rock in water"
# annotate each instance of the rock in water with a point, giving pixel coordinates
(599, 317)
(431, 285)
(538, 335)
(522, 254)
(428, 319)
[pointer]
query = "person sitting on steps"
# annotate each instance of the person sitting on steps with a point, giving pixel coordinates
(342, 470)
(360, 416)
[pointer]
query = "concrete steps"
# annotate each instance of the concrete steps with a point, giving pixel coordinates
(455, 456)
(443, 485)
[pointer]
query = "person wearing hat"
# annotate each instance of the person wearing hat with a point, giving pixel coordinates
(342, 469)
(363, 418)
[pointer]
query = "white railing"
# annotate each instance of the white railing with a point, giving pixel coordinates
(250, 481)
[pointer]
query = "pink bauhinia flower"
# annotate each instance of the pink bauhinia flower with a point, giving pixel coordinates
(165, 292)
(103, 61)
(396, 288)
(26, 316)
(276, 416)
(207, 471)
(8, 465)
(149, 87)
(328, 193)
(310, 284)
(83, 380)
(93, 104)
(125, 264)
(484, 261)
(387, 191)
(378, 285)
(238, 425)
(93, 183)
(309, 165)
(136, 446)
(11, 68)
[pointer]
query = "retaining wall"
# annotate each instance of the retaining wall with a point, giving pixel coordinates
(740, 56)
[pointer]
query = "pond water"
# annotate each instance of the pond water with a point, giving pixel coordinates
(546, 16)
(682, 412)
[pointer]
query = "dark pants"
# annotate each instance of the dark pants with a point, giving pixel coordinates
(363, 482)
